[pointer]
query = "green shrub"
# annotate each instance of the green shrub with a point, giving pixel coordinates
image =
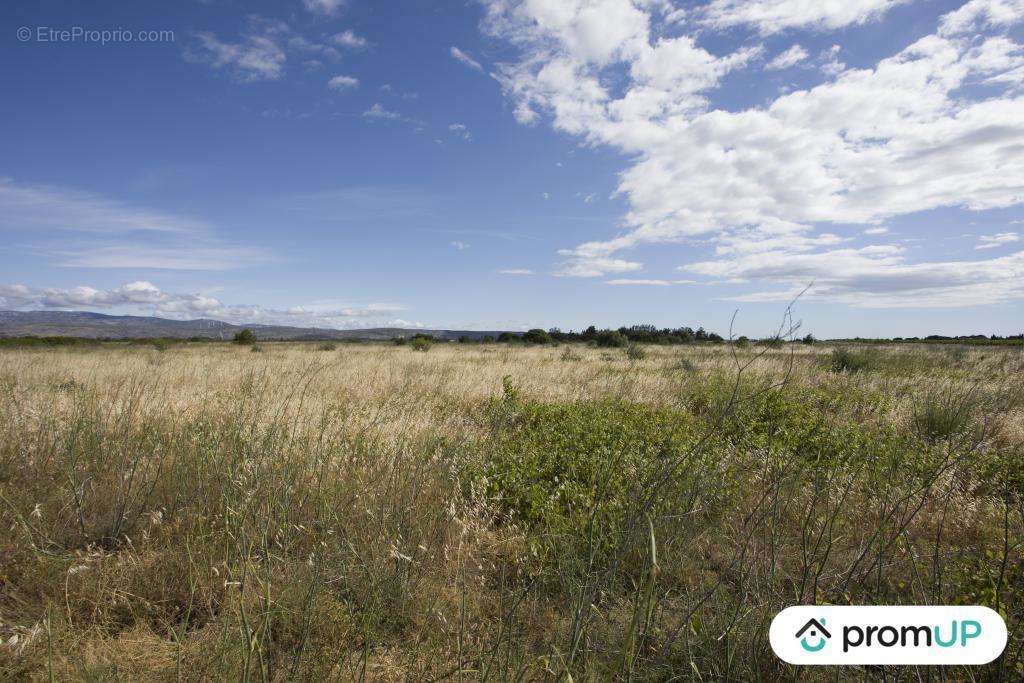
(556, 467)
(161, 345)
(536, 336)
(845, 360)
(742, 342)
(421, 344)
(611, 339)
(245, 336)
(327, 346)
(635, 352)
(945, 416)
(255, 348)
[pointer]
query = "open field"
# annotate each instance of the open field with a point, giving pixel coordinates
(494, 512)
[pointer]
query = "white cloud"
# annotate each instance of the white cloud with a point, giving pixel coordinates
(325, 7)
(593, 266)
(876, 231)
(460, 246)
(977, 15)
(258, 58)
(648, 283)
(377, 111)
(204, 254)
(262, 51)
(829, 63)
(43, 208)
(997, 240)
(460, 130)
(348, 39)
(84, 230)
(143, 296)
(866, 145)
(545, 195)
(341, 83)
(875, 277)
(466, 59)
(790, 58)
(773, 16)
(515, 271)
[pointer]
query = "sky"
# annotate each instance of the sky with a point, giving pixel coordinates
(507, 164)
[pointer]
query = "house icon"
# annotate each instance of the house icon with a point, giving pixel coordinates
(814, 629)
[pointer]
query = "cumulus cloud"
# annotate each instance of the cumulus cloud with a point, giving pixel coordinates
(377, 111)
(979, 15)
(874, 277)
(648, 283)
(460, 246)
(466, 59)
(866, 145)
(460, 130)
(145, 297)
(789, 58)
(577, 265)
(348, 39)
(257, 58)
(261, 52)
(324, 7)
(997, 240)
(773, 16)
(342, 83)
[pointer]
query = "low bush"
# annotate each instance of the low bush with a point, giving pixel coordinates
(945, 414)
(611, 339)
(845, 360)
(243, 337)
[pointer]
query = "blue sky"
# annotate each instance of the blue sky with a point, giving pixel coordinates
(505, 164)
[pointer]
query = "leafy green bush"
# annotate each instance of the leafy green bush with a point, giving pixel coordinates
(611, 339)
(421, 344)
(571, 472)
(245, 336)
(536, 336)
(845, 360)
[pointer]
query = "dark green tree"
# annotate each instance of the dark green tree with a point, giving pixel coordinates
(245, 336)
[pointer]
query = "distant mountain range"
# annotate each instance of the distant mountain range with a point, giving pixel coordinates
(100, 326)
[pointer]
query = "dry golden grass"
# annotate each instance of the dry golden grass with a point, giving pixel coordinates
(208, 512)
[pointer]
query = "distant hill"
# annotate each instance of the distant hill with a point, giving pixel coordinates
(101, 326)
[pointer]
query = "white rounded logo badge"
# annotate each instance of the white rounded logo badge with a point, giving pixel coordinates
(905, 634)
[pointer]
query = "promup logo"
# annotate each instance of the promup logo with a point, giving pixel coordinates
(888, 635)
(816, 630)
